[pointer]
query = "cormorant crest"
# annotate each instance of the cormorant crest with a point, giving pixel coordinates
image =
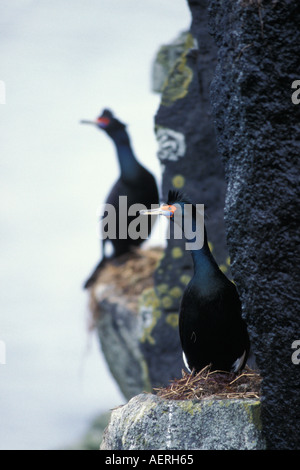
(177, 196)
(107, 113)
(114, 123)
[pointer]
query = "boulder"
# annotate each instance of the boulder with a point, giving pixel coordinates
(148, 422)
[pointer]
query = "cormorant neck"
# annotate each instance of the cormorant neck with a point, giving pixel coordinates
(129, 165)
(203, 260)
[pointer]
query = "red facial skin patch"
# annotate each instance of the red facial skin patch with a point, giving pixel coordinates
(169, 208)
(103, 121)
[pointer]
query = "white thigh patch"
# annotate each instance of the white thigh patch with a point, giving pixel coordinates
(238, 363)
(185, 361)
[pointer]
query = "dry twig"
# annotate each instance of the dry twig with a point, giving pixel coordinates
(213, 384)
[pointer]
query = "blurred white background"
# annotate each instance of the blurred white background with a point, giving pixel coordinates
(63, 61)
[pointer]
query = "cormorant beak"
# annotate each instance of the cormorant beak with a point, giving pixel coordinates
(100, 122)
(165, 209)
(84, 121)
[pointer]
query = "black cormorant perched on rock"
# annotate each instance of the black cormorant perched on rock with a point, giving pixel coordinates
(135, 182)
(211, 327)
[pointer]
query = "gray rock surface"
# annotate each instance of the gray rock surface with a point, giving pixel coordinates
(165, 60)
(119, 331)
(148, 422)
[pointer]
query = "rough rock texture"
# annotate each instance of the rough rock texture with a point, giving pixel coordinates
(147, 422)
(258, 138)
(118, 329)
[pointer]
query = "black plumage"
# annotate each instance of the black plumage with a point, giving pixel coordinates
(211, 327)
(135, 182)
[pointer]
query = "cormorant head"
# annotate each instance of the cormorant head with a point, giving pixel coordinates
(106, 121)
(175, 202)
(180, 210)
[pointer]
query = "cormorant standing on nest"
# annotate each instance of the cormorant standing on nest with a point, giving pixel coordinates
(135, 182)
(211, 328)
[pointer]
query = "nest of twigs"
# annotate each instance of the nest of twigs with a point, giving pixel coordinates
(132, 272)
(122, 280)
(213, 384)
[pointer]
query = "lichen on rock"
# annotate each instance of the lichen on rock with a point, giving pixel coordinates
(148, 422)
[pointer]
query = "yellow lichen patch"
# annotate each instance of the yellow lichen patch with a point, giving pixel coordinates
(149, 306)
(176, 292)
(189, 406)
(223, 268)
(162, 288)
(178, 181)
(177, 83)
(147, 336)
(177, 252)
(172, 319)
(185, 279)
(253, 412)
(167, 301)
(228, 260)
(149, 298)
